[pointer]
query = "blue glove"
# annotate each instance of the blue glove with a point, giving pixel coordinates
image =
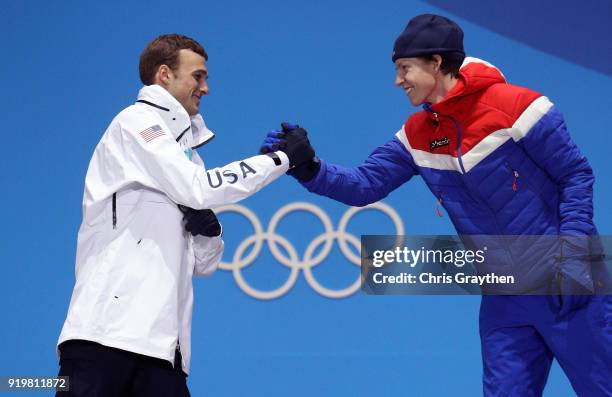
(201, 222)
(273, 142)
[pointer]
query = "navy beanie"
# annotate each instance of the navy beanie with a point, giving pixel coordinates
(429, 34)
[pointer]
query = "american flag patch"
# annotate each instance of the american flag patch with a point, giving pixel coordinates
(151, 133)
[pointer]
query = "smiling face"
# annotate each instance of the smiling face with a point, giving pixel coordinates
(188, 82)
(418, 78)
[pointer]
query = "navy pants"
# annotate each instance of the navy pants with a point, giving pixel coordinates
(520, 335)
(100, 371)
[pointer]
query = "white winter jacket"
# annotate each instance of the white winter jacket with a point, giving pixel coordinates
(135, 261)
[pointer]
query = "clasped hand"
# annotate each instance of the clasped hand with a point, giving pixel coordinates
(293, 141)
(201, 222)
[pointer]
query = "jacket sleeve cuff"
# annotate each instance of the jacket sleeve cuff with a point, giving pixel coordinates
(318, 179)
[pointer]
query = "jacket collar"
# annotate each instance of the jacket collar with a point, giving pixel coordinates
(474, 75)
(174, 114)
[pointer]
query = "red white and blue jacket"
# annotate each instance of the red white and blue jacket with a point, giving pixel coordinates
(498, 158)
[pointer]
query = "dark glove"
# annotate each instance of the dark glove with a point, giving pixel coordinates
(201, 222)
(575, 284)
(566, 303)
(293, 141)
(308, 170)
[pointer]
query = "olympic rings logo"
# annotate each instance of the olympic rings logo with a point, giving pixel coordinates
(293, 261)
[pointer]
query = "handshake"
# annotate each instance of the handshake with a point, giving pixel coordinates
(304, 165)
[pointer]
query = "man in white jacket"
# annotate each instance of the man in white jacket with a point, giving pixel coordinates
(147, 229)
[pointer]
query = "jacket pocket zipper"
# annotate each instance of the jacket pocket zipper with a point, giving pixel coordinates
(515, 183)
(114, 211)
(438, 205)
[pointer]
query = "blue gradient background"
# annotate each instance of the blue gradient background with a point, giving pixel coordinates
(70, 66)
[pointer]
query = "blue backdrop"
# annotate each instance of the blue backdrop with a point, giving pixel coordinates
(70, 66)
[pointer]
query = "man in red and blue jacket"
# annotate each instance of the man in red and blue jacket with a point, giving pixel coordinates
(499, 159)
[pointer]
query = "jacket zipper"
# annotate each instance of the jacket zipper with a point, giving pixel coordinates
(476, 197)
(178, 357)
(437, 115)
(114, 211)
(458, 143)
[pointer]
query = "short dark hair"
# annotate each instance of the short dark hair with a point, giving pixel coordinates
(450, 63)
(164, 51)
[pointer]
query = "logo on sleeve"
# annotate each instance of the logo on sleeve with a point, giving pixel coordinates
(229, 176)
(436, 143)
(151, 133)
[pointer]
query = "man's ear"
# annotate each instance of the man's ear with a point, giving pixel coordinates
(163, 76)
(437, 59)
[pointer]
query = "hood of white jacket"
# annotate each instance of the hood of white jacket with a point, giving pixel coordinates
(174, 114)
